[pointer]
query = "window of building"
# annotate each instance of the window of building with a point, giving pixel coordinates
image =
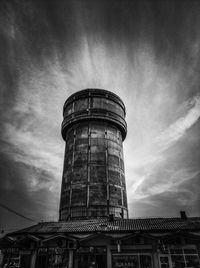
(139, 260)
(179, 257)
(11, 257)
(52, 257)
(184, 257)
(57, 257)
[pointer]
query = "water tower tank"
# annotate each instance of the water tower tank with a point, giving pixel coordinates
(93, 183)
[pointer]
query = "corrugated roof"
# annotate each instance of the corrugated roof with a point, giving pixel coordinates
(118, 225)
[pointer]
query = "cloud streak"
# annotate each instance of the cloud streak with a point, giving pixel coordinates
(157, 177)
(152, 152)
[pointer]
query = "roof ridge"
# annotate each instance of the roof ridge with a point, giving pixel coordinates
(134, 224)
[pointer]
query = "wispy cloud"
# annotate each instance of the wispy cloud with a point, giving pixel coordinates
(151, 171)
(153, 151)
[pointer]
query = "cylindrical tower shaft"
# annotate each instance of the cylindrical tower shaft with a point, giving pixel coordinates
(93, 183)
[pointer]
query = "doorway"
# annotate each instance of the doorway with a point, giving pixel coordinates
(91, 261)
(25, 261)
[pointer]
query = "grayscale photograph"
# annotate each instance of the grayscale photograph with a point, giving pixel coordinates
(99, 134)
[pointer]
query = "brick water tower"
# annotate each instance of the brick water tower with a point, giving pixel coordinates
(93, 183)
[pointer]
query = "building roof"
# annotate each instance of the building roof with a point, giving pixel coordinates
(118, 225)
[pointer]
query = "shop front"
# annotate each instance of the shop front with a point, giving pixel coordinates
(14, 257)
(52, 258)
(91, 257)
(132, 260)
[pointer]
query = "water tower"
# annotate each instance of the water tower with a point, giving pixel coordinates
(93, 183)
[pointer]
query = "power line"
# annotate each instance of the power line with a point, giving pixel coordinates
(16, 213)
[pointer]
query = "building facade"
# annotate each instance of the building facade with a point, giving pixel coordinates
(94, 230)
(106, 243)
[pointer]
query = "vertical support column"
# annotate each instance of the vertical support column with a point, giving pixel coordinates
(198, 249)
(88, 158)
(71, 258)
(109, 257)
(73, 152)
(88, 167)
(107, 178)
(33, 258)
(122, 194)
(155, 256)
(1, 258)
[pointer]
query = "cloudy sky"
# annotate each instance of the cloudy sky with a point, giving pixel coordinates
(146, 52)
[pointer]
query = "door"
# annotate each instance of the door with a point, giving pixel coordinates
(25, 261)
(41, 261)
(101, 261)
(92, 261)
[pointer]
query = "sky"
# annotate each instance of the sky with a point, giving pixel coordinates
(146, 52)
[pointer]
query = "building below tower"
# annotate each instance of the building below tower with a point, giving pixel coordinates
(105, 243)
